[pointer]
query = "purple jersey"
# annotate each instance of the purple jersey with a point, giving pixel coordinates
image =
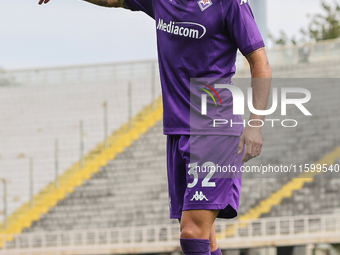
(198, 39)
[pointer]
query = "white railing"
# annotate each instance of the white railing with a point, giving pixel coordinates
(279, 56)
(278, 231)
(97, 73)
(314, 52)
(33, 117)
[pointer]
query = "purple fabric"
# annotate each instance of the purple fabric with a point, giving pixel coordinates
(195, 246)
(217, 109)
(221, 191)
(217, 252)
(197, 39)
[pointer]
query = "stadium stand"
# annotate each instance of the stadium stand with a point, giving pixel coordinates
(131, 189)
(125, 184)
(321, 196)
(324, 69)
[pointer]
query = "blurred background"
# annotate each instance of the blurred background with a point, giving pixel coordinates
(68, 32)
(82, 154)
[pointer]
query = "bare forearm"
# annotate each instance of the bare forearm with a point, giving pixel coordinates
(261, 75)
(261, 82)
(260, 70)
(261, 90)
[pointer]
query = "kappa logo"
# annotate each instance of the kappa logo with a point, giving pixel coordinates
(199, 196)
(243, 2)
(204, 4)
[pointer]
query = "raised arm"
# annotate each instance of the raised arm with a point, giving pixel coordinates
(261, 75)
(105, 3)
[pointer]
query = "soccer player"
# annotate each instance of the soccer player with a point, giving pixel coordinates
(197, 47)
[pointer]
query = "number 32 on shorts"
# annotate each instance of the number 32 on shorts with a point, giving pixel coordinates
(206, 181)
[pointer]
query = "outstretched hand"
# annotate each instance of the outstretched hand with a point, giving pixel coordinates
(43, 1)
(252, 138)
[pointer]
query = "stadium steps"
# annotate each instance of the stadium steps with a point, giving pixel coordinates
(286, 191)
(75, 175)
(114, 197)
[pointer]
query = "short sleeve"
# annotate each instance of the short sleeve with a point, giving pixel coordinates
(141, 5)
(241, 26)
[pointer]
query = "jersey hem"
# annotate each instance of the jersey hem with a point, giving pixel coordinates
(187, 207)
(175, 131)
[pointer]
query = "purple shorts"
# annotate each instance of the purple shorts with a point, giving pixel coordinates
(204, 174)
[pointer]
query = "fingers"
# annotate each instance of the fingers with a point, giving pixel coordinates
(43, 1)
(253, 149)
(251, 138)
(247, 155)
(259, 148)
